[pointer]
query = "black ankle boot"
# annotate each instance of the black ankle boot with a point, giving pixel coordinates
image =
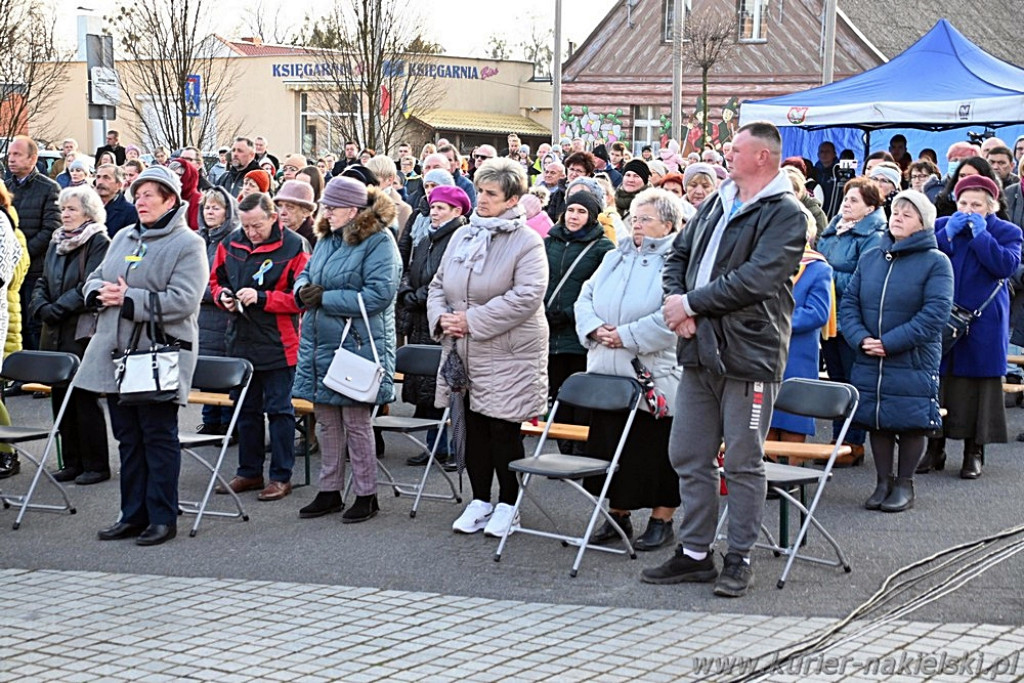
(659, 534)
(900, 498)
(974, 458)
(934, 457)
(882, 489)
(363, 509)
(9, 465)
(608, 533)
(325, 503)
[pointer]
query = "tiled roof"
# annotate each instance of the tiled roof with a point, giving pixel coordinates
(248, 49)
(481, 122)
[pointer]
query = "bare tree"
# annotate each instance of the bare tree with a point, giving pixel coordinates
(497, 47)
(538, 48)
(374, 69)
(166, 44)
(710, 38)
(269, 25)
(33, 70)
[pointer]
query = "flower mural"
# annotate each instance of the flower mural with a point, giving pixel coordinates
(594, 127)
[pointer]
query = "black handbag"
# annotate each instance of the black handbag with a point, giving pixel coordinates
(148, 375)
(958, 325)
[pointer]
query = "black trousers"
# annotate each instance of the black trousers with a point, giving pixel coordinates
(147, 438)
(491, 444)
(83, 431)
(560, 367)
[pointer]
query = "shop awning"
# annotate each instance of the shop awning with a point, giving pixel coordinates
(481, 122)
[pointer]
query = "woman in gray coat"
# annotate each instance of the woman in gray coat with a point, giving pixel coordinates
(619, 320)
(355, 255)
(160, 255)
(487, 301)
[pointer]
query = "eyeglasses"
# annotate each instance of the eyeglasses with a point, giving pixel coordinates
(919, 176)
(641, 219)
(290, 168)
(481, 157)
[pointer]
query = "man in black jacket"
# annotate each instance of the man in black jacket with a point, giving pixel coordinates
(113, 146)
(120, 212)
(729, 297)
(243, 160)
(35, 199)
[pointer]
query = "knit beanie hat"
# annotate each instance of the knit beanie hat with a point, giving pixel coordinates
(889, 174)
(296, 192)
(452, 196)
(640, 167)
(79, 165)
(530, 204)
(261, 178)
(362, 174)
(977, 182)
(344, 192)
(699, 167)
(590, 185)
(924, 206)
(587, 201)
(296, 161)
(601, 152)
(268, 166)
(439, 176)
(162, 175)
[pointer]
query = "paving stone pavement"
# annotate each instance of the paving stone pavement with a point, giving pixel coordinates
(92, 626)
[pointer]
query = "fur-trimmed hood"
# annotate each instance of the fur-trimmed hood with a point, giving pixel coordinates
(380, 212)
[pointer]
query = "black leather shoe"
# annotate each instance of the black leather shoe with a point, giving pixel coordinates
(658, 535)
(121, 530)
(325, 503)
(971, 468)
(66, 474)
(881, 493)
(9, 465)
(420, 459)
(155, 534)
(900, 498)
(86, 478)
(607, 532)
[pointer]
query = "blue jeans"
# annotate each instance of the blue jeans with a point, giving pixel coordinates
(216, 415)
(839, 362)
(269, 394)
(147, 437)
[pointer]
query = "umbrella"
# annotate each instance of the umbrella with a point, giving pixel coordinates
(655, 399)
(453, 372)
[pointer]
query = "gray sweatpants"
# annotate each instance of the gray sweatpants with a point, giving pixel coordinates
(710, 408)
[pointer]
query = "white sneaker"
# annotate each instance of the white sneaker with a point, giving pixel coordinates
(502, 519)
(473, 518)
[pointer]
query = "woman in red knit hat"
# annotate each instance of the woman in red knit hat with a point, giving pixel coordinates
(256, 180)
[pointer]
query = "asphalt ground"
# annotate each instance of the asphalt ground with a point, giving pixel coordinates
(394, 552)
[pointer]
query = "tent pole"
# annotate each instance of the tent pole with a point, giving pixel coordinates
(867, 144)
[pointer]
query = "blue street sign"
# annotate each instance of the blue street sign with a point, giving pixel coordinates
(193, 88)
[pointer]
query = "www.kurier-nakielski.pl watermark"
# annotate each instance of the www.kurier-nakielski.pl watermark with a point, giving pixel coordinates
(966, 664)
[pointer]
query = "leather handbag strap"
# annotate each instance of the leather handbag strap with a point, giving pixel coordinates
(369, 332)
(980, 309)
(565, 277)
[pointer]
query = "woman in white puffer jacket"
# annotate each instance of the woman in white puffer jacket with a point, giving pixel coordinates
(619, 319)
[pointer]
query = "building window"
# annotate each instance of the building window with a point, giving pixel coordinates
(646, 128)
(753, 17)
(668, 20)
(325, 117)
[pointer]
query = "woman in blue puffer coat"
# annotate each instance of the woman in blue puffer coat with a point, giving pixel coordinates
(354, 255)
(857, 229)
(892, 315)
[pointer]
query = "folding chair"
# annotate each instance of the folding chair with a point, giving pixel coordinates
(223, 375)
(593, 392)
(54, 369)
(824, 401)
(422, 360)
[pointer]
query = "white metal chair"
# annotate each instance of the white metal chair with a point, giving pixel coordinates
(824, 401)
(52, 368)
(594, 392)
(422, 360)
(222, 375)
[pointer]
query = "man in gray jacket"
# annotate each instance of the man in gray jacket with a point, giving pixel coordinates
(729, 297)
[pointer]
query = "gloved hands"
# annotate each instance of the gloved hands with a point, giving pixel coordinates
(956, 223)
(977, 223)
(557, 318)
(412, 302)
(311, 295)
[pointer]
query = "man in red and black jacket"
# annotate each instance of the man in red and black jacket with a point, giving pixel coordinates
(252, 276)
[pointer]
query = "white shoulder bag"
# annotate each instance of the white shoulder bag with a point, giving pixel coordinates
(352, 375)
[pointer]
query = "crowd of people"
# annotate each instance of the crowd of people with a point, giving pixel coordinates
(714, 277)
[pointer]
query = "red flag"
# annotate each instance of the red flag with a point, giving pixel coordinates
(385, 101)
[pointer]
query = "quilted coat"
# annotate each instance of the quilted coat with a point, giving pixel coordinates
(844, 251)
(360, 258)
(900, 293)
(562, 252)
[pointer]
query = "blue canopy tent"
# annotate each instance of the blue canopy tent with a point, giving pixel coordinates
(943, 82)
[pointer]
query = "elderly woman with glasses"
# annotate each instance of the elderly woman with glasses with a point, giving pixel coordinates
(619, 321)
